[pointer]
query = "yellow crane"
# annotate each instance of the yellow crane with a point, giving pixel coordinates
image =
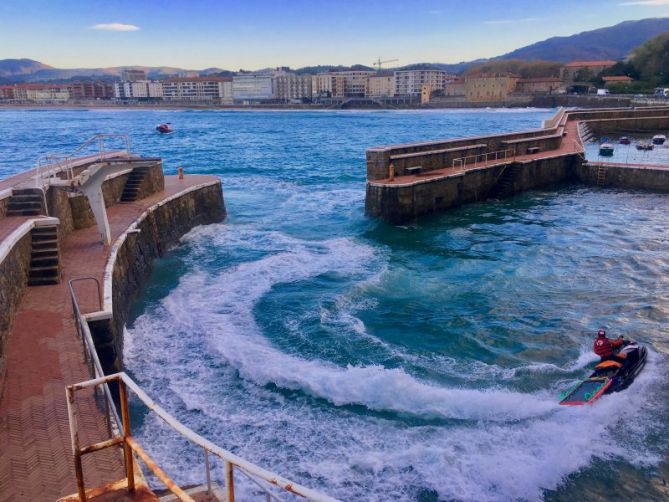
(379, 62)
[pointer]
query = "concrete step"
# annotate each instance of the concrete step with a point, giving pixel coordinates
(43, 281)
(45, 244)
(43, 261)
(22, 212)
(26, 198)
(26, 191)
(44, 236)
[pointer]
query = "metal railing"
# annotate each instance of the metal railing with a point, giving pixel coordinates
(130, 446)
(53, 164)
(119, 429)
(482, 158)
(103, 394)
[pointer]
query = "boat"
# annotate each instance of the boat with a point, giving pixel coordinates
(624, 140)
(606, 149)
(644, 145)
(609, 376)
(659, 139)
(164, 128)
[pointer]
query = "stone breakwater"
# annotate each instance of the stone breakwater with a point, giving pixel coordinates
(406, 181)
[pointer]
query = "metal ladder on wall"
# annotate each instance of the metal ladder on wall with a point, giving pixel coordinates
(601, 175)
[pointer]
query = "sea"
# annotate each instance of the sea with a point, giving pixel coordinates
(374, 362)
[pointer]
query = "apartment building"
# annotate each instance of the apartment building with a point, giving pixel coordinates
(42, 92)
(341, 84)
(198, 89)
(411, 82)
(455, 88)
(142, 89)
(381, 85)
(328, 85)
(490, 86)
(92, 90)
(289, 86)
(250, 86)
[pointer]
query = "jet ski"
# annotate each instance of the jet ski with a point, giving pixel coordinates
(164, 128)
(609, 376)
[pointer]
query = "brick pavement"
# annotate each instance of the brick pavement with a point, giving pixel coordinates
(43, 356)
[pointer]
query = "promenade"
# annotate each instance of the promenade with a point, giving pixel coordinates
(44, 355)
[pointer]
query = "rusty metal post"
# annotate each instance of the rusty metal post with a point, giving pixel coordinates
(206, 464)
(229, 483)
(127, 450)
(74, 434)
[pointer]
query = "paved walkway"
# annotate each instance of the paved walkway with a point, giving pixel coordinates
(43, 356)
(569, 145)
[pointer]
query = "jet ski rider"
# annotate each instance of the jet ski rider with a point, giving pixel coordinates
(606, 348)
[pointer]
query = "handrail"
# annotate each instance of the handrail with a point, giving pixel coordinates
(90, 353)
(484, 157)
(130, 444)
(63, 162)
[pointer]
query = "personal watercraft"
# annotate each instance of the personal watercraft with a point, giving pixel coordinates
(164, 128)
(611, 375)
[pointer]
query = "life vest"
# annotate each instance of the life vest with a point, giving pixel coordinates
(603, 347)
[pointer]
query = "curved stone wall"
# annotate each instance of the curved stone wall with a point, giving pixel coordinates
(132, 255)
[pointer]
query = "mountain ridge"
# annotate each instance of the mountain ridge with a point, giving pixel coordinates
(612, 42)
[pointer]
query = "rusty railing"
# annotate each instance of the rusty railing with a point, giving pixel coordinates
(131, 446)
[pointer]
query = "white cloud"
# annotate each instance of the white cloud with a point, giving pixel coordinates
(512, 21)
(645, 2)
(115, 27)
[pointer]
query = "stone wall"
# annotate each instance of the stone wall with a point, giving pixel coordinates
(158, 231)
(13, 282)
(630, 125)
(399, 204)
(378, 158)
(641, 178)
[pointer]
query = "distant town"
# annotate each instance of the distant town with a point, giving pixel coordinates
(280, 86)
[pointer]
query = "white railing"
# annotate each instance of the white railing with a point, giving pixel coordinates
(53, 164)
(119, 429)
(482, 158)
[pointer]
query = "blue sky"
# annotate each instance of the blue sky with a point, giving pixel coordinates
(253, 34)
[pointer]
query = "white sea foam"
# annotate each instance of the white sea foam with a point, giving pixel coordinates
(507, 445)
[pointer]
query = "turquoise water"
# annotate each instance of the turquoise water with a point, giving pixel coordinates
(374, 362)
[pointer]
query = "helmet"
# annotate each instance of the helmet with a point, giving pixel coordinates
(601, 333)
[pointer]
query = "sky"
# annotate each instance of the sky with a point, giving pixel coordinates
(252, 34)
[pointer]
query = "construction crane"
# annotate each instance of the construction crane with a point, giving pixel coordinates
(379, 62)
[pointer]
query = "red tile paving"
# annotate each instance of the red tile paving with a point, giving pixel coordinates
(570, 144)
(43, 356)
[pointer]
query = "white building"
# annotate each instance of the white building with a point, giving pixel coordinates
(253, 86)
(142, 89)
(198, 89)
(408, 82)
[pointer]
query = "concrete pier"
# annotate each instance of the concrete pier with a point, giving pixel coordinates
(406, 181)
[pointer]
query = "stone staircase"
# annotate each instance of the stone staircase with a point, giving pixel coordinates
(504, 186)
(44, 261)
(26, 202)
(132, 184)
